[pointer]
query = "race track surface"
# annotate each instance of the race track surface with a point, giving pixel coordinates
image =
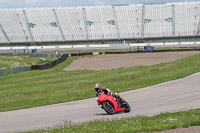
(172, 96)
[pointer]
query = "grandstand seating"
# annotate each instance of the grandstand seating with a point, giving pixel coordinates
(11, 25)
(42, 21)
(158, 22)
(129, 21)
(99, 22)
(103, 24)
(2, 37)
(72, 23)
(187, 19)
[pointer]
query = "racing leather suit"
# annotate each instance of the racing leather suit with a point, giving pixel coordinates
(108, 92)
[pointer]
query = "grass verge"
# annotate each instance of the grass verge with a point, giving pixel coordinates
(11, 61)
(38, 88)
(133, 125)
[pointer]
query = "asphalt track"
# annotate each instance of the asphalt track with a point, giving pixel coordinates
(181, 94)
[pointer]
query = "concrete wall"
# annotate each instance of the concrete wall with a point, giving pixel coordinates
(2, 71)
(20, 69)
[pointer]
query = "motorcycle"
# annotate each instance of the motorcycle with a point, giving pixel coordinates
(111, 104)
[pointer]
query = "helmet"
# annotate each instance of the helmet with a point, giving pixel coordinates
(97, 87)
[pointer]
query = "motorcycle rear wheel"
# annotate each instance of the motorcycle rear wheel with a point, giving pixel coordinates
(108, 107)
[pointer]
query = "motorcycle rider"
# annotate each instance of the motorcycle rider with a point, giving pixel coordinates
(98, 88)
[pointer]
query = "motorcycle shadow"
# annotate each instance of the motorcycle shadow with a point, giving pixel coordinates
(109, 114)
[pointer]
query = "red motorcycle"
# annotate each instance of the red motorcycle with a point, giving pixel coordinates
(111, 104)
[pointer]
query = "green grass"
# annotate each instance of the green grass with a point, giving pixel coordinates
(38, 88)
(11, 61)
(133, 125)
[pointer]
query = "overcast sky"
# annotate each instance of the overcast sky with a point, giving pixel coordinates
(62, 3)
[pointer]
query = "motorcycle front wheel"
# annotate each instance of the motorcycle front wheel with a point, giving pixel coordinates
(108, 107)
(127, 107)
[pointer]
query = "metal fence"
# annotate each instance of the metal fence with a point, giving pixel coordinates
(42, 55)
(2, 71)
(10, 51)
(32, 55)
(20, 69)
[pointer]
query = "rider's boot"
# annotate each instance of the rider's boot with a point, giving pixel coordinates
(122, 101)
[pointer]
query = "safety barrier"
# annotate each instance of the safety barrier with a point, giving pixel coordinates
(20, 69)
(47, 65)
(32, 55)
(103, 45)
(2, 71)
(50, 64)
(42, 55)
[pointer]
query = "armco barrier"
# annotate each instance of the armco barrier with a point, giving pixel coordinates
(50, 64)
(84, 54)
(20, 69)
(81, 54)
(2, 71)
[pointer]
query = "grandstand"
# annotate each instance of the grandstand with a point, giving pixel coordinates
(66, 24)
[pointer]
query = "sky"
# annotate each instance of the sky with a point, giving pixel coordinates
(65, 3)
